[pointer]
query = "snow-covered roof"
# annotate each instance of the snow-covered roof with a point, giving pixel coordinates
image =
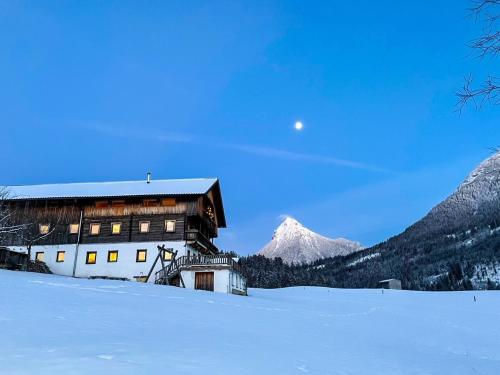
(193, 186)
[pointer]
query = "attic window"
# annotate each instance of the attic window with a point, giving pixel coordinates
(44, 228)
(150, 202)
(118, 203)
(101, 204)
(168, 202)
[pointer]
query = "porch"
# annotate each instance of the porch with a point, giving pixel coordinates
(220, 270)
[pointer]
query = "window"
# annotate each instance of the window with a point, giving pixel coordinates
(74, 228)
(40, 256)
(113, 256)
(150, 202)
(168, 202)
(44, 228)
(60, 256)
(143, 226)
(141, 255)
(91, 257)
(168, 254)
(118, 203)
(95, 228)
(101, 204)
(170, 225)
(116, 228)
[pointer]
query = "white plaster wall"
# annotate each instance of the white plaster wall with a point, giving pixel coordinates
(221, 279)
(236, 281)
(126, 266)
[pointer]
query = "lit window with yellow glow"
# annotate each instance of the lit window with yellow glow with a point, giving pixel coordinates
(168, 254)
(60, 256)
(91, 257)
(44, 228)
(40, 256)
(116, 228)
(170, 225)
(74, 228)
(113, 256)
(141, 256)
(143, 226)
(95, 229)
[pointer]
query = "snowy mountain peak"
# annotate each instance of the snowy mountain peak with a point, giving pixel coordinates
(289, 225)
(477, 197)
(489, 168)
(295, 243)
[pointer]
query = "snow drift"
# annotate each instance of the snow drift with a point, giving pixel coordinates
(58, 325)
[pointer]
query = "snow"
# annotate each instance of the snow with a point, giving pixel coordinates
(478, 193)
(484, 272)
(58, 325)
(112, 189)
(363, 259)
(295, 243)
(487, 169)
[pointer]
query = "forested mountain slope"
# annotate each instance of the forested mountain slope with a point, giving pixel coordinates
(455, 246)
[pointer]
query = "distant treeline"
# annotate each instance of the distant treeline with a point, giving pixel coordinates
(463, 262)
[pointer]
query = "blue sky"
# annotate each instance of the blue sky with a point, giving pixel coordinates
(108, 90)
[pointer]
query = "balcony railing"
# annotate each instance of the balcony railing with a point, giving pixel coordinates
(195, 238)
(201, 261)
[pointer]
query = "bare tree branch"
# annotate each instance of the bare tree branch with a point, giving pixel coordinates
(488, 44)
(487, 93)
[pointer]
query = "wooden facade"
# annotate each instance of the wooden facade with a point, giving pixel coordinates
(119, 230)
(194, 217)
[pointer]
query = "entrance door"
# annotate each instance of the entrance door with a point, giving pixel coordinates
(204, 281)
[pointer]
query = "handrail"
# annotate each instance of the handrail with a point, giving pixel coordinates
(194, 235)
(200, 260)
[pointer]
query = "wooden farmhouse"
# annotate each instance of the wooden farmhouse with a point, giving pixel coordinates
(153, 230)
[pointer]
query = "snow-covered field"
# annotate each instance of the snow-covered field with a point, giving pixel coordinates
(57, 325)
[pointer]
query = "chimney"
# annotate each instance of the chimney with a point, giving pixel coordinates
(148, 179)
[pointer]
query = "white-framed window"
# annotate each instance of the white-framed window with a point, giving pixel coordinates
(169, 225)
(144, 226)
(74, 228)
(95, 229)
(44, 228)
(116, 228)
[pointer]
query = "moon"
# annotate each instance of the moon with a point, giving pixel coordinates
(299, 126)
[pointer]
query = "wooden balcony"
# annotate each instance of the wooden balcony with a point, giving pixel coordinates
(220, 261)
(197, 240)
